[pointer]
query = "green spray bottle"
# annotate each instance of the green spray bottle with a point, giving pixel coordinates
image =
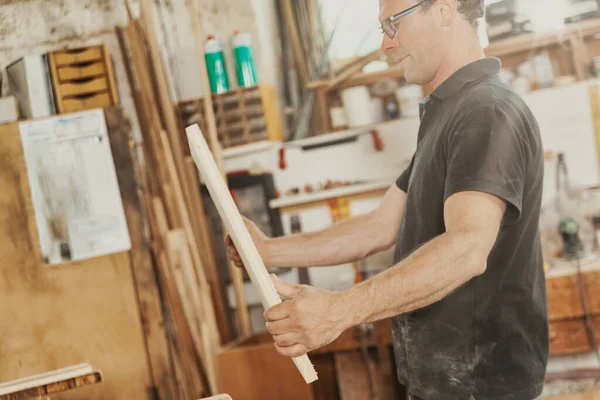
(215, 65)
(242, 51)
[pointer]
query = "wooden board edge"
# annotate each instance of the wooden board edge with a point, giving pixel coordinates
(231, 217)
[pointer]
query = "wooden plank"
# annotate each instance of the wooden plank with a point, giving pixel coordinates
(85, 310)
(139, 81)
(145, 277)
(184, 343)
(179, 260)
(236, 273)
(203, 235)
(55, 387)
(165, 101)
(571, 336)
(299, 57)
(45, 377)
(235, 225)
(362, 79)
(595, 105)
(353, 69)
(564, 298)
(110, 76)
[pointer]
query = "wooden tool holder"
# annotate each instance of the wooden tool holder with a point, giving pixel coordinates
(243, 116)
(82, 79)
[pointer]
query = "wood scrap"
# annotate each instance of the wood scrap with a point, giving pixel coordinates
(240, 235)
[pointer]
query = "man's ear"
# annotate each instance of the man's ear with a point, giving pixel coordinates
(447, 11)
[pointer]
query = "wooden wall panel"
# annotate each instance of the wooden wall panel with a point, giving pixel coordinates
(53, 317)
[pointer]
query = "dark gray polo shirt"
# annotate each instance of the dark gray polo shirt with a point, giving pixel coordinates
(489, 338)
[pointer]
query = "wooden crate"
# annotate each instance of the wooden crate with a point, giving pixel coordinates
(243, 115)
(82, 79)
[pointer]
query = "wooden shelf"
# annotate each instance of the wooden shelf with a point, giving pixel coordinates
(532, 41)
(322, 195)
(347, 134)
(244, 149)
(362, 79)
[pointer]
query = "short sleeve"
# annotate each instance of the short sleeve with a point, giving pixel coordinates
(486, 153)
(402, 181)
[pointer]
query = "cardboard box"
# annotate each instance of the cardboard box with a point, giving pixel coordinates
(9, 110)
(29, 82)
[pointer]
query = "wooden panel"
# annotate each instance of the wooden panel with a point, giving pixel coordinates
(259, 373)
(564, 299)
(86, 102)
(79, 72)
(570, 337)
(93, 85)
(235, 226)
(79, 55)
(53, 317)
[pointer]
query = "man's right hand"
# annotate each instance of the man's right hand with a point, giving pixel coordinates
(258, 237)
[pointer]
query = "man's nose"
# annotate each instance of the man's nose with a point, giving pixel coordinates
(388, 44)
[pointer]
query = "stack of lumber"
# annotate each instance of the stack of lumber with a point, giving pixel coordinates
(181, 238)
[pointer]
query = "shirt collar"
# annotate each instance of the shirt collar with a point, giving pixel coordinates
(469, 73)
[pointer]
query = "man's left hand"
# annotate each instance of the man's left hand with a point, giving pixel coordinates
(309, 319)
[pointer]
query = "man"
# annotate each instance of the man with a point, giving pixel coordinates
(467, 291)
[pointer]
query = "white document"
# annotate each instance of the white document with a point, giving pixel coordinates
(74, 188)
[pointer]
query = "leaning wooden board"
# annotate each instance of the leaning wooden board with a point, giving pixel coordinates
(235, 226)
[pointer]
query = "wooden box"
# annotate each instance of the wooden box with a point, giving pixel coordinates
(82, 79)
(242, 116)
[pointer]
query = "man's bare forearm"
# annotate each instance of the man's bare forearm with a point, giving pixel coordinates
(428, 275)
(347, 241)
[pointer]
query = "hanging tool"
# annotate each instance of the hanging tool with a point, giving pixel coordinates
(282, 159)
(377, 141)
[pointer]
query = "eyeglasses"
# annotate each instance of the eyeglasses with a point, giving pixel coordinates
(388, 26)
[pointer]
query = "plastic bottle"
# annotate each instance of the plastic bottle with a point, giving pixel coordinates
(215, 64)
(242, 51)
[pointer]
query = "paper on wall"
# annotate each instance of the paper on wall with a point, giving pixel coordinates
(74, 188)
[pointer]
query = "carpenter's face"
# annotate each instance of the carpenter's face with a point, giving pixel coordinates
(419, 39)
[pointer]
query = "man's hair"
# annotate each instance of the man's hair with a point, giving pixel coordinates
(471, 9)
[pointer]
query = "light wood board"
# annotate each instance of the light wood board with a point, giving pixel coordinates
(241, 237)
(53, 317)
